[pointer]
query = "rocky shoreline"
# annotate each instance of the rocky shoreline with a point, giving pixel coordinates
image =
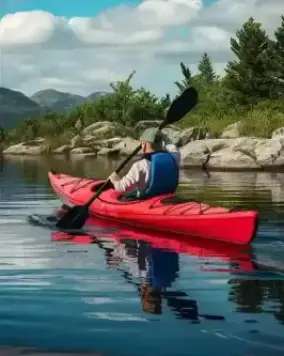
(198, 148)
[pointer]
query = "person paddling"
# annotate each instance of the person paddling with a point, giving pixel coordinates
(157, 172)
(76, 217)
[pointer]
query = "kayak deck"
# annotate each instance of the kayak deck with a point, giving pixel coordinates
(166, 212)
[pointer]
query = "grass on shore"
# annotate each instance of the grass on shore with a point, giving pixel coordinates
(258, 122)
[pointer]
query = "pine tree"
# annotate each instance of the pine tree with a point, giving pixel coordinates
(207, 75)
(279, 56)
(2, 134)
(186, 82)
(250, 77)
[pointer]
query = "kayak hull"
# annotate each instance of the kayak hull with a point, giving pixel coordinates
(164, 213)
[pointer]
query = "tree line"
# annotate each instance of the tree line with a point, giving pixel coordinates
(250, 91)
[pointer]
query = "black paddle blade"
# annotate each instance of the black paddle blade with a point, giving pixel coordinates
(74, 218)
(182, 105)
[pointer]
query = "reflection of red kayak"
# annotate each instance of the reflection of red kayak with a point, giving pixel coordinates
(102, 230)
(164, 213)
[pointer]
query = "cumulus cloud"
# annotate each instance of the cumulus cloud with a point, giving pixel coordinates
(81, 55)
(121, 25)
(230, 15)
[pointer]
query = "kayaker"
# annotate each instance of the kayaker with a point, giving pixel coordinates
(157, 172)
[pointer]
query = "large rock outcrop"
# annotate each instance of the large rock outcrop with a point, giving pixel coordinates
(197, 150)
(33, 147)
(239, 153)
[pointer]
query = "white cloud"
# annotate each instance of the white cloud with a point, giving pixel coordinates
(230, 15)
(81, 55)
(26, 28)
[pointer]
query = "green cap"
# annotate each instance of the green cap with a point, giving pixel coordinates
(152, 135)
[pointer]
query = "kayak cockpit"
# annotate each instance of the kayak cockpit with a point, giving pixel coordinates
(169, 199)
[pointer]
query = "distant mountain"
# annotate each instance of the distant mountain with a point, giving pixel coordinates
(96, 95)
(14, 106)
(57, 101)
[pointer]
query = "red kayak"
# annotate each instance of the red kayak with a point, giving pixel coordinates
(167, 213)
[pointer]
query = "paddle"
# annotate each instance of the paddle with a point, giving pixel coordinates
(76, 217)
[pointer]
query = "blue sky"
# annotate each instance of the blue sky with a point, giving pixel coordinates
(67, 8)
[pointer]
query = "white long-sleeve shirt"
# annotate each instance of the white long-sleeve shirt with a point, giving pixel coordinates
(139, 174)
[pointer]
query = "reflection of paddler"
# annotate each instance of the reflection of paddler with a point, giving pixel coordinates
(152, 270)
(155, 269)
(161, 271)
(162, 267)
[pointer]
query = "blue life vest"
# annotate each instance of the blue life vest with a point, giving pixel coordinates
(164, 175)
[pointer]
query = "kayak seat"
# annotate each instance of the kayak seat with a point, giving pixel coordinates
(175, 200)
(130, 195)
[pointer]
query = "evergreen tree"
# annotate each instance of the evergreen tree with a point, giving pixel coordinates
(29, 128)
(2, 134)
(205, 67)
(250, 77)
(187, 78)
(279, 56)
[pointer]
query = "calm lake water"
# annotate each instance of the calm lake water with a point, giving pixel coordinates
(96, 298)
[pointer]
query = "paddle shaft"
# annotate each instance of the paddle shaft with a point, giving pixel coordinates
(121, 166)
